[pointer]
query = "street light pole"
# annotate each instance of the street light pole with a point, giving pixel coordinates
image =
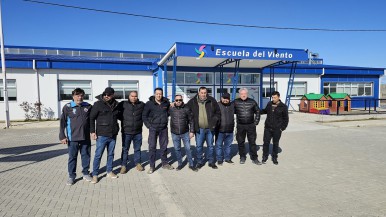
(5, 94)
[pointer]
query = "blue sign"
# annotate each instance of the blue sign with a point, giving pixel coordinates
(201, 51)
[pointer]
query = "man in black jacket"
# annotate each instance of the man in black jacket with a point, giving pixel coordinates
(248, 116)
(131, 125)
(75, 132)
(155, 117)
(105, 112)
(206, 117)
(276, 122)
(224, 136)
(181, 127)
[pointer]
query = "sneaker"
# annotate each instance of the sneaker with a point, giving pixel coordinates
(274, 160)
(199, 165)
(94, 180)
(178, 168)
(123, 170)
(193, 169)
(257, 162)
(112, 175)
(139, 167)
(265, 158)
(219, 163)
(70, 181)
(213, 165)
(167, 166)
(242, 160)
(229, 161)
(150, 171)
(87, 178)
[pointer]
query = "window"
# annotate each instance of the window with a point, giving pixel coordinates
(353, 89)
(179, 77)
(244, 78)
(299, 89)
(198, 78)
(268, 92)
(66, 88)
(11, 87)
(123, 88)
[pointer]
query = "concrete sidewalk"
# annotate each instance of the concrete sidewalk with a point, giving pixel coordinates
(324, 170)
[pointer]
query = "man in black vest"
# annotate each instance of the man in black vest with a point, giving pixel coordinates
(276, 122)
(105, 112)
(155, 117)
(248, 116)
(224, 136)
(131, 125)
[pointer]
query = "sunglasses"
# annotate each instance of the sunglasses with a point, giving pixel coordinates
(109, 94)
(178, 100)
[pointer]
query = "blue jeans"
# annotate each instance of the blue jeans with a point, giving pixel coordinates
(102, 143)
(84, 147)
(137, 142)
(177, 146)
(201, 136)
(224, 139)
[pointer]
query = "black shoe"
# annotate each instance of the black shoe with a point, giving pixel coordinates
(213, 165)
(198, 166)
(178, 168)
(257, 162)
(265, 158)
(274, 160)
(219, 163)
(229, 161)
(193, 169)
(242, 160)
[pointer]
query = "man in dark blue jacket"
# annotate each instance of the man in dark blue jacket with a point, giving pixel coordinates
(75, 132)
(224, 134)
(155, 117)
(105, 113)
(276, 122)
(131, 125)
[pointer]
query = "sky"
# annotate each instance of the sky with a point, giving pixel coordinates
(31, 24)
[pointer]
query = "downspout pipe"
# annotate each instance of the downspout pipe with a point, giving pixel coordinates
(34, 68)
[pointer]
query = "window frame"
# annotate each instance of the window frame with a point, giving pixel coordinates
(70, 80)
(8, 87)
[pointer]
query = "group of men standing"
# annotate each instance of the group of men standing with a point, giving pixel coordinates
(203, 117)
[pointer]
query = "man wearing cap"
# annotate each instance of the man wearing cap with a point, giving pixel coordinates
(105, 112)
(224, 133)
(75, 133)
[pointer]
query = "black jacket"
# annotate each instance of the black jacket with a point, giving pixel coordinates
(277, 119)
(106, 117)
(156, 115)
(212, 111)
(131, 116)
(227, 123)
(181, 120)
(247, 111)
(75, 122)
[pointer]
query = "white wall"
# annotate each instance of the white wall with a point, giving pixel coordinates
(27, 87)
(313, 86)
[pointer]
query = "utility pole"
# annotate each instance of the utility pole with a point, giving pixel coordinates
(5, 90)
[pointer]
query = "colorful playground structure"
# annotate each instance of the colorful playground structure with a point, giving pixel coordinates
(325, 104)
